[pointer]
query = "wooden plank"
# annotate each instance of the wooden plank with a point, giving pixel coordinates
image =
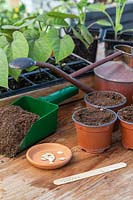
(21, 181)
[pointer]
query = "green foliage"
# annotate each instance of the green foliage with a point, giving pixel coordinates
(39, 35)
(35, 36)
(41, 49)
(3, 69)
(50, 20)
(10, 16)
(77, 26)
(19, 45)
(61, 47)
(117, 26)
(19, 48)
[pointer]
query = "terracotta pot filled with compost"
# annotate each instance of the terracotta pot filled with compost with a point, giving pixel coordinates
(125, 116)
(14, 124)
(94, 128)
(105, 99)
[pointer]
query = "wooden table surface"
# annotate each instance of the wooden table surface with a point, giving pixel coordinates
(21, 181)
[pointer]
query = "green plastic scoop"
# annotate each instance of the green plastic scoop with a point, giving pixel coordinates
(46, 108)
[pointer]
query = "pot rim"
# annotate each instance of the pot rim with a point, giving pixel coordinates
(106, 107)
(103, 125)
(124, 52)
(119, 117)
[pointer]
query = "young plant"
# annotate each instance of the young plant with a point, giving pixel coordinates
(77, 24)
(36, 37)
(51, 24)
(116, 25)
(15, 47)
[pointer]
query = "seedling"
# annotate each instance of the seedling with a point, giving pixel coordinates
(116, 25)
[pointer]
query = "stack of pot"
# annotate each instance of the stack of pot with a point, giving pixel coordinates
(94, 134)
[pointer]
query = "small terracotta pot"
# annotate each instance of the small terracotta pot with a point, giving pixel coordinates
(114, 107)
(94, 139)
(126, 129)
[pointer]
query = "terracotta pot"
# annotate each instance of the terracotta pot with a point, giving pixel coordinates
(92, 138)
(126, 128)
(114, 107)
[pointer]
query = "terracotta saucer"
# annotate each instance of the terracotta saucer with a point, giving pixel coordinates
(62, 155)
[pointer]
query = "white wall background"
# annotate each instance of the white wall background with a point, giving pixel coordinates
(33, 5)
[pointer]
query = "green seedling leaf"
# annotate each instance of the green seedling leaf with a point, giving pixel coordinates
(86, 35)
(10, 27)
(121, 1)
(66, 47)
(27, 23)
(118, 27)
(97, 7)
(5, 45)
(20, 48)
(62, 15)
(3, 42)
(103, 22)
(49, 20)
(15, 73)
(19, 45)
(42, 48)
(21, 21)
(8, 52)
(80, 37)
(62, 47)
(3, 69)
(31, 35)
(15, 27)
(3, 34)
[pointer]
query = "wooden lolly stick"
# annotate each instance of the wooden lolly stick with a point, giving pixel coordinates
(88, 174)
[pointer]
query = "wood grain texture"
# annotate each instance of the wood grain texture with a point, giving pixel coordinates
(21, 181)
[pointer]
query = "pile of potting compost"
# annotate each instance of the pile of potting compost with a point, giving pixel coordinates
(105, 98)
(94, 116)
(14, 124)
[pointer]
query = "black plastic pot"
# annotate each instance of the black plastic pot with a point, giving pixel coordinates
(90, 53)
(110, 42)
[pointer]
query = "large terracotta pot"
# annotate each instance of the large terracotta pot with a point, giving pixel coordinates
(94, 139)
(126, 127)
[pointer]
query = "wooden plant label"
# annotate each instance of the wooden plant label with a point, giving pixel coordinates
(88, 174)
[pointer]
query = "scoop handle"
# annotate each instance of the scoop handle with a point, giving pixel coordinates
(60, 95)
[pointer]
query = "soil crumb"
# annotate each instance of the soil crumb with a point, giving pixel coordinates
(14, 124)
